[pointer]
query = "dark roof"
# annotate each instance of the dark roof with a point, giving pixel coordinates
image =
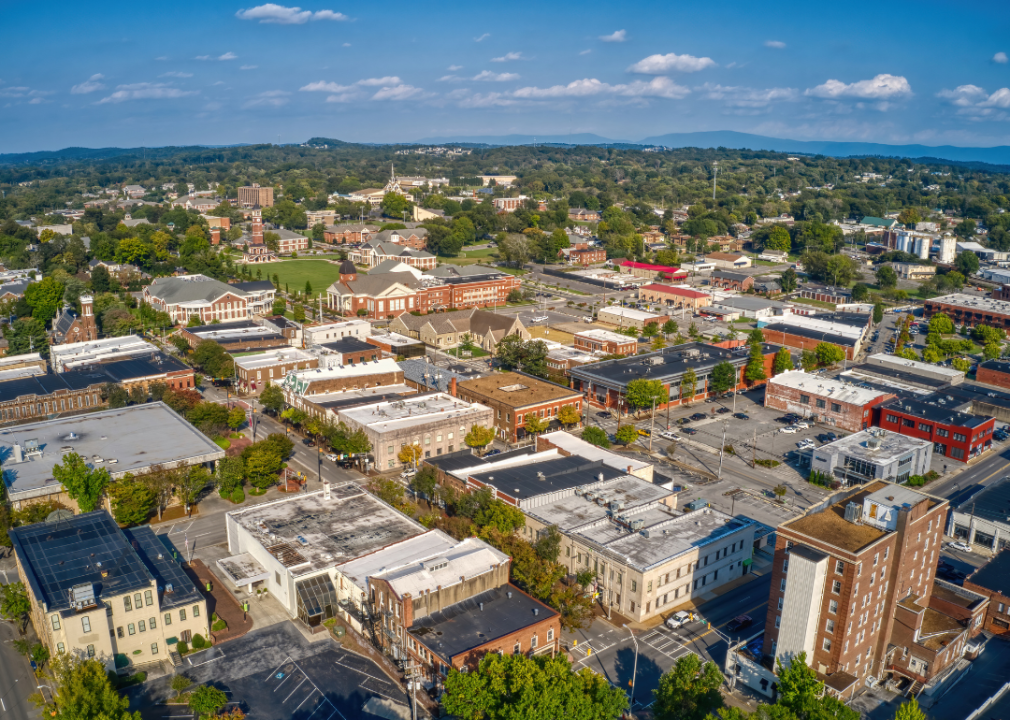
(728, 275)
(966, 393)
(350, 345)
(666, 364)
(163, 567)
(140, 367)
(237, 325)
(884, 371)
(564, 473)
(859, 320)
(356, 400)
(464, 458)
(826, 289)
(1002, 366)
(88, 548)
(810, 333)
(479, 620)
(936, 413)
(255, 285)
(42, 385)
(995, 574)
(991, 503)
(348, 268)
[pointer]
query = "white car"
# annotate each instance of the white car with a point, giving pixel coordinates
(669, 435)
(788, 430)
(408, 473)
(332, 457)
(962, 546)
(801, 425)
(677, 620)
(542, 318)
(805, 444)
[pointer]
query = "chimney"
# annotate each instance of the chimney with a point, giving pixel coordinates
(452, 386)
(215, 236)
(257, 226)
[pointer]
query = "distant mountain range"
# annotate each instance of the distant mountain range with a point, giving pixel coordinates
(992, 156)
(745, 141)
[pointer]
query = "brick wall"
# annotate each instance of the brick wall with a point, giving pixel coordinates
(996, 621)
(989, 376)
(353, 383)
(849, 417)
(797, 342)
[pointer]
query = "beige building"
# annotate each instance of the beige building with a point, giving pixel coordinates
(99, 591)
(253, 195)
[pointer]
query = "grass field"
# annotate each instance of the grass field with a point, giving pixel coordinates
(471, 257)
(320, 273)
(542, 333)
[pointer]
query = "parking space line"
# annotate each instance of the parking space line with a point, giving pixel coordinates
(336, 710)
(274, 672)
(350, 667)
(295, 690)
(303, 702)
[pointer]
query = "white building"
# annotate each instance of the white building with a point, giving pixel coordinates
(329, 332)
(71, 356)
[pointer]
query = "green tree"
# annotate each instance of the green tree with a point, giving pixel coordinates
(788, 281)
(568, 415)
(724, 376)
(626, 434)
(535, 425)
(886, 277)
(81, 483)
(236, 418)
(206, 700)
(504, 687)
(596, 436)
(272, 398)
(650, 330)
(942, 324)
(910, 711)
(479, 437)
(878, 313)
(860, 292)
(828, 354)
(961, 364)
(14, 602)
(642, 393)
(778, 239)
(783, 361)
(132, 500)
(213, 358)
(230, 471)
(27, 335)
(987, 335)
(688, 691)
(967, 263)
(393, 204)
(755, 369)
(45, 298)
(425, 481)
(180, 683)
(502, 517)
(669, 327)
(909, 217)
(81, 690)
(756, 336)
(688, 384)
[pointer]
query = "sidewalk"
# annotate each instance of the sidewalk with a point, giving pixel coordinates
(221, 601)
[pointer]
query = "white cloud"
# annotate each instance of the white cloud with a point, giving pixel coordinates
(38, 101)
(450, 78)
(1000, 58)
(89, 85)
(963, 95)
(398, 92)
(322, 86)
(777, 44)
(661, 87)
(248, 67)
(163, 57)
(659, 64)
(489, 76)
(383, 81)
(616, 36)
(481, 100)
(13, 91)
(881, 87)
(227, 56)
(508, 57)
(346, 45)
(274, 14)
(268, 98)
(145, 91)
(747, 97)
(454, 68)
(176, 74)
(482, 38)
(585, 52)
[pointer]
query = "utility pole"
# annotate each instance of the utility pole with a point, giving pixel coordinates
(753, 449)
(634, 670)
(715, 174)
(722, 449)
(652, 426)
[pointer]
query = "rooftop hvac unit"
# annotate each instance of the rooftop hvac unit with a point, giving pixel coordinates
(83, 596)
(853, 512)
(637, 525)
(646, 532)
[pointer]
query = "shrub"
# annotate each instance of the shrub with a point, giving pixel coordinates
(767, 463)
(182, 648)
(199, 642)
(219, 625)
(237, 495)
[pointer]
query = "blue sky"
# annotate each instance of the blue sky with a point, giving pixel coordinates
(212, 72)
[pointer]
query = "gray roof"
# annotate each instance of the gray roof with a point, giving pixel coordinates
(375, 284)
(190, 288)
(395, 250)
(728, 275)
(431, 376)
(462, 271)
(385, 266)
(16, 287)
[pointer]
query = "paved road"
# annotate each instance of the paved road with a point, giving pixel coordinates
(16, 679)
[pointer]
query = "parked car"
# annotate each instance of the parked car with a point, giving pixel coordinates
(408, 473)
(332, 457)
(644, 432)
(604, 414)
(739, 623)
(801, 425)
(699, 416)
(669, 435)
(741, 416)
(493, 451)
(678, 620)
(309, 442)
(788, 430)
(723, 410)
(690, 431)
(831, 436)
(683, 420)
(962, 546)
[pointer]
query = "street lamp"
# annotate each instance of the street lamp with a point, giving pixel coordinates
(634, 670)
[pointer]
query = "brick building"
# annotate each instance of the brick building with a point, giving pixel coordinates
(584, 255)
(515, 397)
(851, 586)
(970, 310)
(800, 337)
(955, 435)
(348, 351)
(254, 372)
(832, 402)
(184, 296)
(344, 234)
(339, 378)
(71, 327)
(650, 271)
(993, 581)
(508, 204)
(606, 342)
(236, 337)
(674, 297)
(730, 280)
(994, 372)
(252, 195)
(826, 294)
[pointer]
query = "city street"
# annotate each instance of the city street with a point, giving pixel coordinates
(16, 679)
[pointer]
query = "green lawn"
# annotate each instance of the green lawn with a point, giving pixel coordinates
(475, 353)
(471, 257)
(320, 273)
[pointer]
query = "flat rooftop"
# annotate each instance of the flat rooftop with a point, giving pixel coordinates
(995, 574)
(517, 390)
(992, 503)
(893, 373)
(935, 413)
(71, 355)
(578, 511)
(430, 544)
(666, 364)
(973, 303)
(166, 571)
(130, 439)
(348, 345)
(529, 479)
(463, 459)
(479, 620)
(631, 314)
(442, 568)
(352, 398)
(956, 595)
(913, 365)
(301, 380)
(577, 446)
(392, 339)
(606, 336)
(890, 445)
(416, 411)
(804, 331)
(308, 533)
(825, 387)
(270, 358)
(829, 525)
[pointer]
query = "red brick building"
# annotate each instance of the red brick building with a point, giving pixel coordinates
(343, 234)
(826, 293)
(584, 255)
(993, 581)
(730, 280)
(607, 342)
(515, 398)
(841, 405)
(994, 372)
(955, 435)
(674, 297)
(648, 270)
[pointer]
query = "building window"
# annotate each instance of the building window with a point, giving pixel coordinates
(533, 642)
(778, 621)
(127, 603)
(119, 631)
(827, 644)
(168, 618)
(148, 600)
(143, 626)
(958, 437)
(517, 649)
(61, 648)
(780, 604)
(833, 607)
(182, 615)
(137, 601)
(957, 453)
(829, 626)
(154, 648)
(153, 623)
(550, 635)
(634, 586)
(91, 651)
(86, 624)
(835, 407)
(131, 629)
(56, 622)
(942, 433)
(196, 611)
(805, 399)
(821, 403)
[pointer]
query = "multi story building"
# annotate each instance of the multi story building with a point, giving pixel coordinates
(833, 402)
(508, 204)
(344, 234)
(955, 435)
(994, 372)
(584, 256)
(624, 317)
(605, 342)
(604, 384)
(252, 195)
(914, 271)
(981, 519)
(69, 327)
(98, 591)
(348, 351)
(254, 372)
(970, 310)
(374, 252)
(992, 581)
(515, 398)
(340, 378)
(731, 280)
(649, 271)
(236, 337)
(328, 332)
(674, 297)
(851, 585)
(584, 215)
(874, 454)
(435, 422)
(806, 332)
(446, 330)
(184, 296)
(895, 366)
(73, 356)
